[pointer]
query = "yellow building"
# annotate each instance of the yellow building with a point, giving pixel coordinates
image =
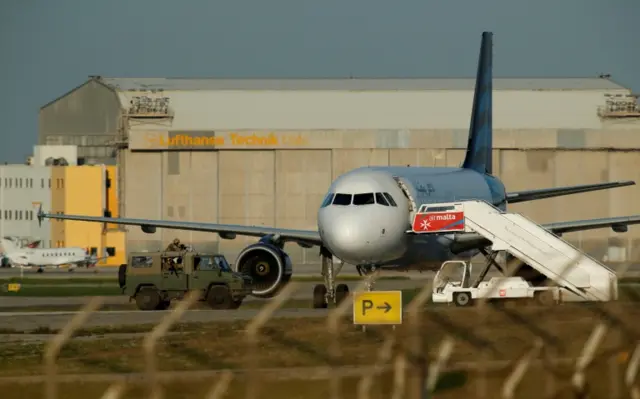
(87, 190)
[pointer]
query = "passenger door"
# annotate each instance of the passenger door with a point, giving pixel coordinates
(174, 277)
(204, 272)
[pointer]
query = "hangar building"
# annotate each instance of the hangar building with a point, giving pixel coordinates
(261, 151)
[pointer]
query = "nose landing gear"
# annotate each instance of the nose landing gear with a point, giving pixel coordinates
(326, 293)
(368, 271)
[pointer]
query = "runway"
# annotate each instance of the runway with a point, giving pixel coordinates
(27, 321)
(304, 270)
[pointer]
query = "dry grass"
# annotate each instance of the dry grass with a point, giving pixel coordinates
(299, 344)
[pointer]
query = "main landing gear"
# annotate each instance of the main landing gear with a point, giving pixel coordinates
(326, 293)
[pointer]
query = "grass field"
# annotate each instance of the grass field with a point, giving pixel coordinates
(301, 343)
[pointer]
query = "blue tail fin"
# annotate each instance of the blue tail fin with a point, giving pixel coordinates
(479, 148)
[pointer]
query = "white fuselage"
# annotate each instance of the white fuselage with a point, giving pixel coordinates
(362, 231)
(46, 257)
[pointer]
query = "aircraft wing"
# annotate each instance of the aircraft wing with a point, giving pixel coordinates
(308, 238)
(467, 241)
(530, 195)
(305, 238)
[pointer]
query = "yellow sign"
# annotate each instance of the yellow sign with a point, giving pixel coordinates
(377, 307)
(13, 287)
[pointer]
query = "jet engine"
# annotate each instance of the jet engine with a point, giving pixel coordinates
(268, 265)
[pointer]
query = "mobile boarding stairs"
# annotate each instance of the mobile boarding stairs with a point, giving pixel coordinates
(548, 254)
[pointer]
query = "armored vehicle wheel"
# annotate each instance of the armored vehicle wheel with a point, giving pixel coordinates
(319, 297)
(122, 275)
(219, 297)
(163, 305)
(462, 298)
(148, 299)
(342, 292)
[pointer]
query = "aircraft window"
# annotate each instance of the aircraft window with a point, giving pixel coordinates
(363, 199)
(327, 200)
(342, 199)
(380, 199)
(141, 261)
(390, 199)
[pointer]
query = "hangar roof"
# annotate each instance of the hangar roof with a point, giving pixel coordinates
(378, 84)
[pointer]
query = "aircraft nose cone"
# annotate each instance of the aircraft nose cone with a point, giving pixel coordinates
(348, 237)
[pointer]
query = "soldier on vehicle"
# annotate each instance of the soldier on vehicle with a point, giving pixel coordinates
(175, 246)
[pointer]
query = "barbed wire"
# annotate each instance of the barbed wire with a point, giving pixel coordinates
(416, 356)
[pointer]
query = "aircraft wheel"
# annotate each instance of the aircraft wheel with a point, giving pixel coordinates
(40, 271)
(342, 292)
(462, 298)
(148, 299)
(319, 297)
(219, 297)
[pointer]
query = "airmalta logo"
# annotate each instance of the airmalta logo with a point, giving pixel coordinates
(442, 217)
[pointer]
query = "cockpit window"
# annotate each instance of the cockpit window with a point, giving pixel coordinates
(363, 199)
(390, 199)
(327, 200)
(381, 200)
(342, 199)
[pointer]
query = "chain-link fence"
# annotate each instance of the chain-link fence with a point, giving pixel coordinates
(488, 350)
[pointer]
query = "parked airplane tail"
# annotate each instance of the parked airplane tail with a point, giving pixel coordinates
(479, 147)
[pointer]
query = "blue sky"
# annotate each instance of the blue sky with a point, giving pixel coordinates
(50, 46)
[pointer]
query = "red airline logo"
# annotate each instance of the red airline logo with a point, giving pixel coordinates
(432, 222)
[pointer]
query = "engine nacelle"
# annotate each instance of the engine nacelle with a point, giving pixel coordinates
(269, 267)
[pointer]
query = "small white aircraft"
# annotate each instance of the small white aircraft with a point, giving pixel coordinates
(42, 257)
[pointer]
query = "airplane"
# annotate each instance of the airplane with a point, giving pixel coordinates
(42, 257)
(367, 212)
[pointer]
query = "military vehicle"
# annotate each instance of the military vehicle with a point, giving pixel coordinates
(154, 279)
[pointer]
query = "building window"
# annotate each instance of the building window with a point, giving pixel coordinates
(30, 215)
(49, 182)
(111, 251)
(42, 182)
(93, 251)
